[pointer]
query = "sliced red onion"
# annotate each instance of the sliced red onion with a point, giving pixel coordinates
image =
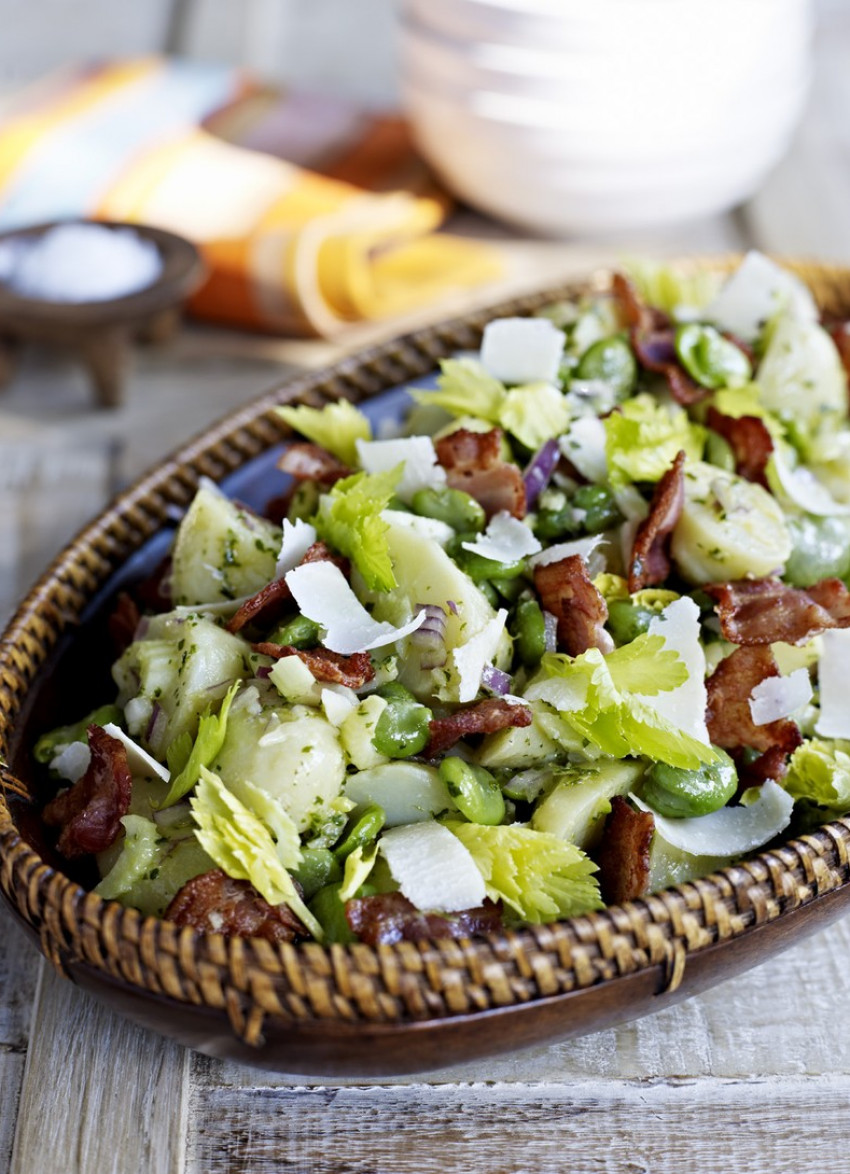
(219, 686)
(550, 631)
(142, 628)
(155, 722)
(540, 470)
(495, 680)
(430, 637)
(452, 606)
(264, 671)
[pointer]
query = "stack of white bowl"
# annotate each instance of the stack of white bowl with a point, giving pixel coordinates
(591, 116)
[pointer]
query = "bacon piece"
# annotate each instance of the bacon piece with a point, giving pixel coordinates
(154, 593)
(750, 441)
(270, 601)
(484, 718)
(773, 764)
(653, 340)
(389, 917)
(123, 622)
(840, 333)
(566, 590)
(90, 813)
(727, 714)
(354, 670)
(623, 855)
(761, 611)
(311, 462)
(216, 903)
(473, 463)
(650, 562)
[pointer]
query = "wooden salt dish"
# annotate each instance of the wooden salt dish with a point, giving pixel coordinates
(99, 333)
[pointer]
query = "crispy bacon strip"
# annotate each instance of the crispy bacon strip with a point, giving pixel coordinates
(727, 715)
(90, 813)
(123, 622)
(473, 463)
(216, 903)
(353, 671)
(484, 718)
(311, 462)
(761, 611)
(750, 441)
(270, 601)
(773, 764)
(653, 340)
(566, 590)
(623, 855)
(650, 563)
(390, 917)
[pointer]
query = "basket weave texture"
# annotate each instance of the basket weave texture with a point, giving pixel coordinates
(250, 980)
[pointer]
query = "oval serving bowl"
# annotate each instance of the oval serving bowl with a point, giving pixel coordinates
(354, 1010)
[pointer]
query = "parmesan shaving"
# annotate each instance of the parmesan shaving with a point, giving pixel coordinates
(731, 831)
(584, 447)
(522, 350)
(432, 867)
(506, 540)
(477, 652)
(416, 453)
(298, 537)
(684, 706)
(834, 720)
(139, 761)
(778, 697)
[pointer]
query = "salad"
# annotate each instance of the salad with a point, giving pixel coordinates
(578, 631)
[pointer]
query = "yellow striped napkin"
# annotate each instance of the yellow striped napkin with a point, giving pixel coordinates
(309, 215)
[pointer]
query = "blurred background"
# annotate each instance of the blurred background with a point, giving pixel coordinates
(351, 168)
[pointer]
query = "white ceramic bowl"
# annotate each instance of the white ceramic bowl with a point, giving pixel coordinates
(628, 113)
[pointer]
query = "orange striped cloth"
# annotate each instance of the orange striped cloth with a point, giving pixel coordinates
(310, 215)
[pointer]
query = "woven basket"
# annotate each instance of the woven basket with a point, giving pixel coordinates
(359, 1009)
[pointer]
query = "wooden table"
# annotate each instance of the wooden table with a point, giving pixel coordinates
(754, 1075)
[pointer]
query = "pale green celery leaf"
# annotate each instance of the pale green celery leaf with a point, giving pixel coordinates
(819, 770)
(142, 848)
(646, 666)
(540, 876)
(671, 289)
(652, 736)
(349, 519)
(358, 869)
(643, 438)
(274, 815)
(209, 740)
(242, 844)
(465, 388)
(336, 427)
(535, 413)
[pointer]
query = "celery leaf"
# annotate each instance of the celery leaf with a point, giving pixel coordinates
(336, 427)
(643, 438)
(349, 519)
(186, 758)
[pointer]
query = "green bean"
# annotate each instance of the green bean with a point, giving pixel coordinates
(612, 361)
(304, 501)
(719, 452)
(821, 549)
(403, 728)
(681, 794)
(628, 620)
(452, 506)
(48, 744)
(318, 867)
(529, 632)
(552, 524)
(509, 589)
(474, 790)
(709, 358)
(395, 691)
(299, 632)
(478, 567)
(361, 830)
(489, 592)
(329, 911)
(599, 509)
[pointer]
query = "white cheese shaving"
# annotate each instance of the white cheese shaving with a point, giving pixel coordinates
(338, 701)
(324, 596)
(522, 350)
(834, 719)
(471, 657)
(432, 867)
(731, 831)
(416, 453)
(440, 532)
(72, 761)
(298, 537)
(778, 697)
(584, 447)
(684, 706)
(506, 540)
(581, 546)
(755, 292)
(804, 488)
(139, 761)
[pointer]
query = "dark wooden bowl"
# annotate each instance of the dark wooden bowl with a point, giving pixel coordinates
(99, 332)
(353, 1010)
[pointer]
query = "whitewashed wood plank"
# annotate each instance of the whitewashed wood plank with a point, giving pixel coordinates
(591, 1127)
(99, 1096)
(19, 962)
(11, 1076)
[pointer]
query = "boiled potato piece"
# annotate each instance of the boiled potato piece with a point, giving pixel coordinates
(221, 551)
(729, 529)
(576, 807)
(801, 376)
